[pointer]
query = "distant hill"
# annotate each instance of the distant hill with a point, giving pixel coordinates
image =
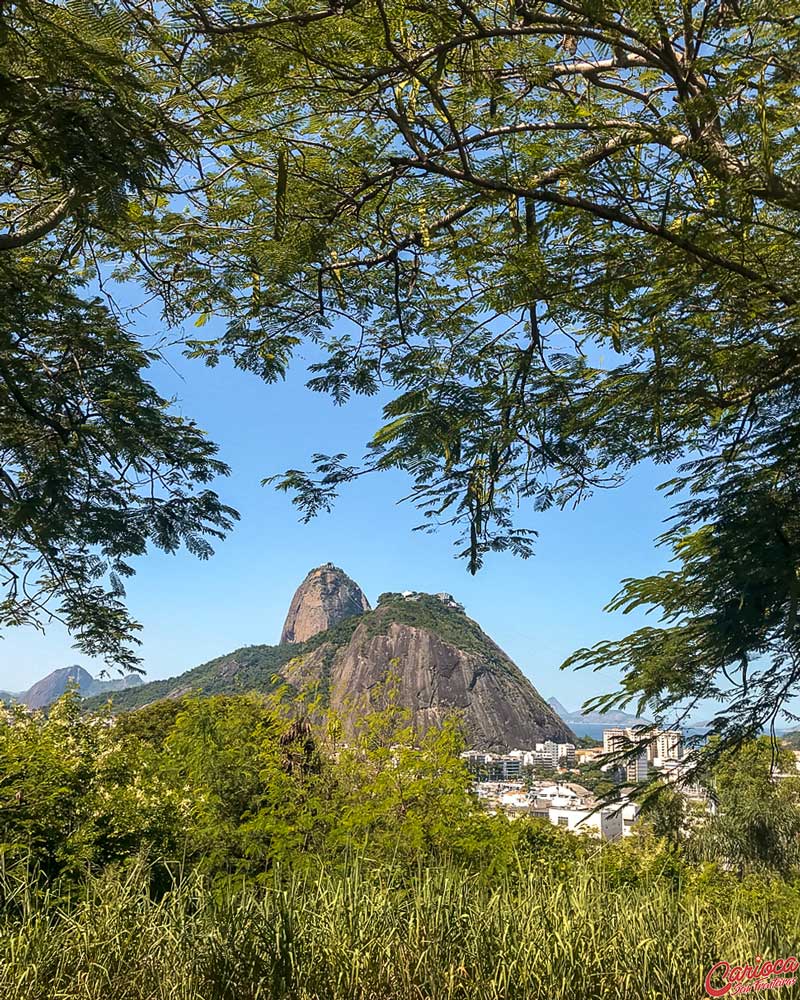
(442, 661)
(50, 688)
(614, 717)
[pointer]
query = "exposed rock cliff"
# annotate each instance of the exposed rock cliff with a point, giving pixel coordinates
(49, 688)
(326, 597)
(442, 663)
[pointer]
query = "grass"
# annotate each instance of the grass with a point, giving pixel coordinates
(372, 935)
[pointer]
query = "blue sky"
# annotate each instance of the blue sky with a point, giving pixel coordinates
(538, 610)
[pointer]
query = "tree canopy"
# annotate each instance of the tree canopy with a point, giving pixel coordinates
(93, 465)
(560, 235)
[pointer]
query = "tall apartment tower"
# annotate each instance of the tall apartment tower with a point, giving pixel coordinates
(669, 744)
(613, 739)
(636, 768)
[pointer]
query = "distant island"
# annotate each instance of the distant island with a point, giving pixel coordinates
(614, 717)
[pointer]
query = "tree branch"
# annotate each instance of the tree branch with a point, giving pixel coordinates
(12, 241)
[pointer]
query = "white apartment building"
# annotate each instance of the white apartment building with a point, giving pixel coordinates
(668, 744)
(659, 744)
(614, 738)
(563, 794)
(636, 768)
(493, 766)
(609, 822)
(560, 751)
(548, 753)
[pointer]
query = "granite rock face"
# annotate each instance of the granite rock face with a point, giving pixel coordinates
(500, 709)
(326, 597)
(442, 664)
(51, 687)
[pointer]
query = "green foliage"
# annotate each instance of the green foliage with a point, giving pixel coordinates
(235, 784)
(82, 123)
(150, 723)
(356, 208)
(664, 811)
(408, 798)
(218, 847)
(77, 796)
(95, 468)
(580, 933)
(251, 668)
(449, 624)
(238, 784)
(756, 823)
(730, 602)
(243, 805)
(598, 782)
(160, 143)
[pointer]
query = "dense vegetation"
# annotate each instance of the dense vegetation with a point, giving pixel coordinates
(219, 847)
(610, 927)
(562, 237)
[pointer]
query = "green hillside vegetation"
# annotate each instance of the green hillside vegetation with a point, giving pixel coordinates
(575, 933)
(450, 624)
(254, 668)
(250, 668)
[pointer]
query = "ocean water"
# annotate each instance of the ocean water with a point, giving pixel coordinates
(595, 729)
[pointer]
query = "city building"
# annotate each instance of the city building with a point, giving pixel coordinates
(566, 794)
(565, 804)
(636, 768)
(560, 752)
(678, 774)
(608, 822)
(614, 739)
(668, 745)
(493, 766)
(658, 744)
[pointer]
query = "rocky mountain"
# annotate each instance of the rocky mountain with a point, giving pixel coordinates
(558, 708)
(439, 661)
(614, 717)
(51, 687)
(326, 597)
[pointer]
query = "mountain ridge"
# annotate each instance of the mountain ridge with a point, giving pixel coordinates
(613, 717)
(326, 597)
(50, 687)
